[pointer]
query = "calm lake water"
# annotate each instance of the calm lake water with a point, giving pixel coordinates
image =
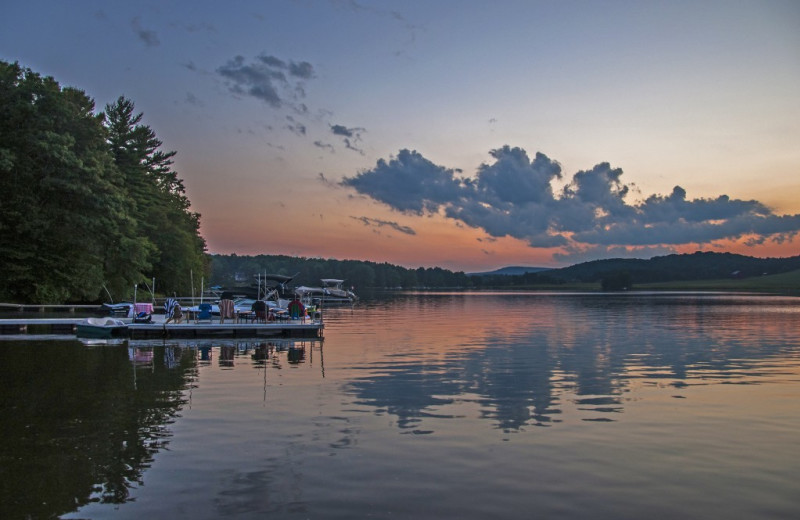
(422, 406)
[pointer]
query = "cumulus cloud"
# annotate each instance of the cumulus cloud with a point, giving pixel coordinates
(377, 223)
(275, 81)
(513, 196)
(409, 183)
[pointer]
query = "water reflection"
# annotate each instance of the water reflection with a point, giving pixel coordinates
(83, 422)
(528, 357)
(407, 412)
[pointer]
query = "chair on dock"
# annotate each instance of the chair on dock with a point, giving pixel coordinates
(297, 310)
(260, 309)
(226, 310)
(203, 312)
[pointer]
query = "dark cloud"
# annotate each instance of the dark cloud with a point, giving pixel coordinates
(350, 136)
(302, 70)
(373, 222)
(341, 130)
(324, 146)
(587, 254)
(409, 183)
(268, 78)
(513, 196)
(148, 37)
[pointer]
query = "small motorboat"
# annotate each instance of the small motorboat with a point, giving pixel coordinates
(119, 309)
(101, 328)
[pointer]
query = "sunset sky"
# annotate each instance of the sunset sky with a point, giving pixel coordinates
(469, 135)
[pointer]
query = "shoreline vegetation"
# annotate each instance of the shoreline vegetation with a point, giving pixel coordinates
(787, 284)
(92, 205)
(685, 272)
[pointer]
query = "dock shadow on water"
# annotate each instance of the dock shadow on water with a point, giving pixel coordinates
(421, 405)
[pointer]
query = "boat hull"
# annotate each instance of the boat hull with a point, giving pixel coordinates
(91, 331)
(96, 328)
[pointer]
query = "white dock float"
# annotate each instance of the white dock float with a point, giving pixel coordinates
(158, 329)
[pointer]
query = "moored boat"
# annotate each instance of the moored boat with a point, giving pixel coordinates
(330, 292)
(119, 309)
(334, 291)
(101, 328)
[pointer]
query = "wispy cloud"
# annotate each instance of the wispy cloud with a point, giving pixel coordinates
(295, 126)
(270, 79)
(147, 36)
(350, 136)
(377, 223)
(394, 16)
(191, 99)
(324, 146)
(513, 196)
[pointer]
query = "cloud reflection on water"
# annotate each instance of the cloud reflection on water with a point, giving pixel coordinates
(523, 359)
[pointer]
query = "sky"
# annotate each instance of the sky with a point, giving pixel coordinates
(468, 135)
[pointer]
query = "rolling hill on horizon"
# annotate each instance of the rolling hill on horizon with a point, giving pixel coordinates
(693, 266)
(696, 269)
(511, 270)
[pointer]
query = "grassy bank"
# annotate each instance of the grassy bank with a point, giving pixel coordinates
(785, 283)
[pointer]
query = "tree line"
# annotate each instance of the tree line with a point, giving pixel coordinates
(234, 270)
(90, 202)
(623, 273)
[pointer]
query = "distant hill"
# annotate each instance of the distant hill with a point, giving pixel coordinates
(696, 266)
(511, 271)
(783, 282)
(722, 271)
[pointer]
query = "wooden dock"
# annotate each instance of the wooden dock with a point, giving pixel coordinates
(158, 329)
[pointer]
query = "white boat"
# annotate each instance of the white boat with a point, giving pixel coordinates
(334, 290)
(330, 292)
(101, 328)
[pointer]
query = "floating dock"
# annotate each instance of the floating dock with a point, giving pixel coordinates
(158, 329)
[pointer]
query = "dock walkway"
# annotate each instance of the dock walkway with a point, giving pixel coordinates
(310, 328)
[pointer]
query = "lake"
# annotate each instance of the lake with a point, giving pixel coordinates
(445, 405)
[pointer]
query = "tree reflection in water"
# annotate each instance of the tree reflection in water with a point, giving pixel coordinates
(82, 424)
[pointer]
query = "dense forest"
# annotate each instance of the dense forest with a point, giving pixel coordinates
(612, 274)
(91, 204)
(235, 270)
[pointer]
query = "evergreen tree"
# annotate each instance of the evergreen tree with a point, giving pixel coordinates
(162, 208)
(65, 221)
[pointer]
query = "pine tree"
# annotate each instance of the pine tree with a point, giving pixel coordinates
(65, 222)
(162, 208)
